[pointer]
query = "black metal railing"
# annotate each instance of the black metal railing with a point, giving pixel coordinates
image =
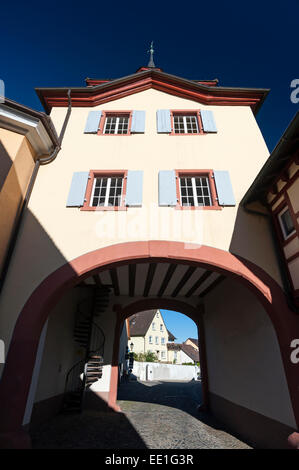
(91, 337)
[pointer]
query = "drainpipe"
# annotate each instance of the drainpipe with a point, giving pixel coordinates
(39, 161)
(281, 265)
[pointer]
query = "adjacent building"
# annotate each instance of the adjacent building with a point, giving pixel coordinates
(27, 139)
(148, 332)
(192, 342)
(182, 353)
(274, 194)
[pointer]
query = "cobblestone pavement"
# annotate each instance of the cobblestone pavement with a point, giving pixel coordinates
(165, 416)
(155, 415)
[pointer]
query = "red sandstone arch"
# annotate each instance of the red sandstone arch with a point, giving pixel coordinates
(20, 360)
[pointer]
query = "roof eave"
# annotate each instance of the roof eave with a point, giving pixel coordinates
(285, 146)
(263, 92)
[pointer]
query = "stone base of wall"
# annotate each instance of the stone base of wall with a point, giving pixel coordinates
(255, 429)
(96, 401)
(44, 410)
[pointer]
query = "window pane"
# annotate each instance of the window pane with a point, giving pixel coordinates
(116, 125)
(199, 189)
(100, 192)
(185, 124)
(287, 222)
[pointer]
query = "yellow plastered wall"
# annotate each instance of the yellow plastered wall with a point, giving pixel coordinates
(53, 234)
(17, 162)
(243, 356)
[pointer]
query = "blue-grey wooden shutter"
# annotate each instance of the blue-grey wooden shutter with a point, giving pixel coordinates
(134, 188)
(77, 189)
(93, 122)
(138, 122)
(163, 121)
(224, 188)
(208, 121)
(167, 188)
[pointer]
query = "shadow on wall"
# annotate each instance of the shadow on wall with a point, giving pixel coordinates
(92, 429)
(252, 240)
(32, 252)
(6, 163)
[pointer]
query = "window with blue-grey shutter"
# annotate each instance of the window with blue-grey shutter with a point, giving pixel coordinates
(163, 121)
(224, 188)
(134, 188)
(77, 189)
(167, 188)
(138, 122)
(208, 121)
(93, 122)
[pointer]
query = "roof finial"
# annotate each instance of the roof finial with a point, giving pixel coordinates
(151, 60)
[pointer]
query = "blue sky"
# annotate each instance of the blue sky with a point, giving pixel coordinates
(179, 325)
(252, 44)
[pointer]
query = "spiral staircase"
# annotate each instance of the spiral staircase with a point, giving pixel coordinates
(89, 335)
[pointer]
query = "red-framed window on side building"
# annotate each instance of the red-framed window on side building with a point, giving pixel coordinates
(286, 223)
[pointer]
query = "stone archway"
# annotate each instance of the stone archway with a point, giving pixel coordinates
(15, 382)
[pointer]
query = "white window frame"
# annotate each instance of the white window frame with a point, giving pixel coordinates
(162, 340)
(285, 235)
(161, 327)
(163, 355)
(194, 190)
(150, 340)
(184, 116)
(106, 203)
(154, 326)
(116, 124)
(157, 340)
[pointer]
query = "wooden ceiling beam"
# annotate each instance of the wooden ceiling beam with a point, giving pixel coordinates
(149, 278)
(198, 283)
(114, 280)
(97, 280)
(212, 286)
(132, 279)
(166, 280)
(183, 281)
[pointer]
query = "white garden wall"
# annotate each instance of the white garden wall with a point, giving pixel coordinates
(157, 371)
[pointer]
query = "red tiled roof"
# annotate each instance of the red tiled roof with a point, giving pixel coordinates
(191, 352)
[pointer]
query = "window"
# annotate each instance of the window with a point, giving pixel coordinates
(157, 339)
(161, 327)
(162, 340)
(286, 223)
(175, 353)
(163, 354)
(196, 190)
(150, 339)
(154, 326)
(116, 124)
(157, 314)
(184, 122)
(106, 191)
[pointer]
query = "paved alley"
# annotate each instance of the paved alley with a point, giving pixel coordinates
(155, 415)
